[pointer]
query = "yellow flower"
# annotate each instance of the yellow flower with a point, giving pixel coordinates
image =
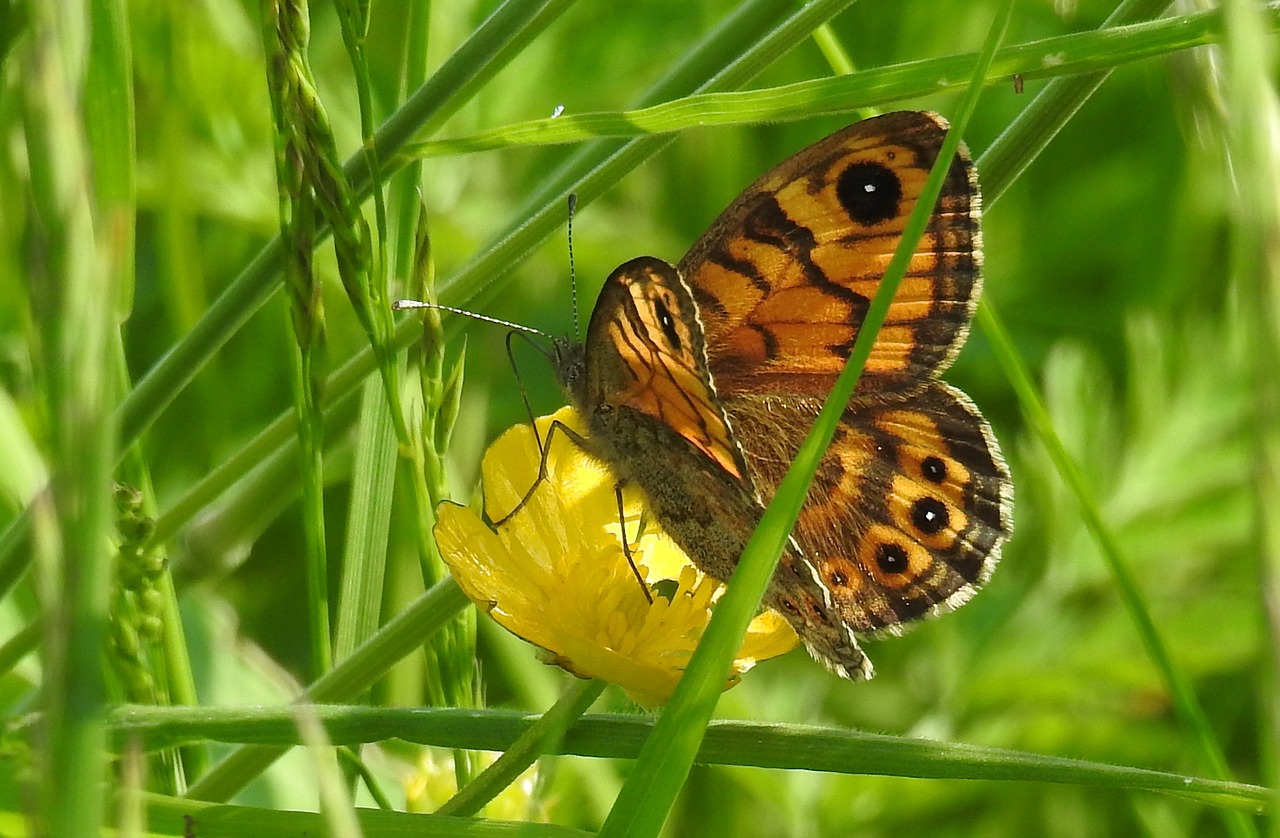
(555, 573)
(434, 780)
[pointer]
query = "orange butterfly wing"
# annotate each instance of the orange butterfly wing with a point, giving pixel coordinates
(784, 276)
(645, 352)
(908, 507)
(912, 500)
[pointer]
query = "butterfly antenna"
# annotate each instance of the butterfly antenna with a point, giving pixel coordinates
(573, 277)
(401, 305)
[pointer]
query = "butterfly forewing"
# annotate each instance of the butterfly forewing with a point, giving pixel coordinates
(784, 276)
(645, 353)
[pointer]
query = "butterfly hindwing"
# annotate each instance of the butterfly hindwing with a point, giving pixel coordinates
(909, 506)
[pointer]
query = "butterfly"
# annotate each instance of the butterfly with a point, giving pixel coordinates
(699, 381)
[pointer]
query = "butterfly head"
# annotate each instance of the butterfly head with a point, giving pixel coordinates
(570, 360)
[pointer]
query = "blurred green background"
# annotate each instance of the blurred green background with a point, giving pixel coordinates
(1108, 261)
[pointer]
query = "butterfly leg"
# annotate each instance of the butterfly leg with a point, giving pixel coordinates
(524, 394)
(578, 440)
(544, 445)
(626, 548)
(544, 450)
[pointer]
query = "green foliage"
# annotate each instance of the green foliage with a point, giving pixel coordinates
(1131, 256)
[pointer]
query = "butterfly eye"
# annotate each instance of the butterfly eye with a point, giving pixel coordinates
(869, 192)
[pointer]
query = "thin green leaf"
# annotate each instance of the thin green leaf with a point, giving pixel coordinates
(776, 746)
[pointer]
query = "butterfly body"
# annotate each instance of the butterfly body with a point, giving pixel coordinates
(696, 478)
(700, 500)
(699, 382)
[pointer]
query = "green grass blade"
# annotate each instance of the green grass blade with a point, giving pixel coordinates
(1065, 56)
(789, 747)
(1252, 117)
(543, 736)
(494, 44)
(181, 818)
(368, 523)
(76, 321)
(349, 677)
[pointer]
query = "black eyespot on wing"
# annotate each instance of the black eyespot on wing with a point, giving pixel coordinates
(869, 192)
(929, 515)
(933, 469)
(891, 558)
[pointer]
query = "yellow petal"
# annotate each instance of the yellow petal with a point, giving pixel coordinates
(555, 573)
